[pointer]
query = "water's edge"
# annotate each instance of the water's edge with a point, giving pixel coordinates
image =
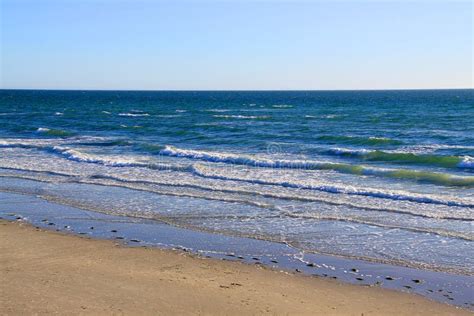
(444, 287)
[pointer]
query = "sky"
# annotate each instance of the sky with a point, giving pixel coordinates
(235, 45)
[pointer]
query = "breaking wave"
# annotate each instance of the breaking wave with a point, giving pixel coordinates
(54, 132)
(425, 176)
(406, 158)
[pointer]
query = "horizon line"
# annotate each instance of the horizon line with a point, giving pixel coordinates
(232, 90)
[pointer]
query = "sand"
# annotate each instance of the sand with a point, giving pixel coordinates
(44, 271)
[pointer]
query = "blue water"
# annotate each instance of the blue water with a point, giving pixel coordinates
(380, 175)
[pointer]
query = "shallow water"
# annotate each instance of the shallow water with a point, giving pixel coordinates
(384, 176)
(443, 287)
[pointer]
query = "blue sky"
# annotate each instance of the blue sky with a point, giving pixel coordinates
(248, 45)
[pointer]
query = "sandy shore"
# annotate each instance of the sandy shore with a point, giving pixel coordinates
(48, 272)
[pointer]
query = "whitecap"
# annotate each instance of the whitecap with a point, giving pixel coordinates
(134, 114)
(467, 162)
(242, 116)
(282, 106)
(218, 110)
(254, 161)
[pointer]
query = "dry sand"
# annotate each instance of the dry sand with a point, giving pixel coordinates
(48, 272)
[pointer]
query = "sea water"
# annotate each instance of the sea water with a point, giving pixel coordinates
(385, 176)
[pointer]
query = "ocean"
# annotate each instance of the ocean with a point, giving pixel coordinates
(380, 176)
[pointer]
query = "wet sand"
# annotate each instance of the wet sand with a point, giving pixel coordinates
(44, 271)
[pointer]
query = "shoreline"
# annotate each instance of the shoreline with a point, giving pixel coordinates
(44, 271)
(135, 232)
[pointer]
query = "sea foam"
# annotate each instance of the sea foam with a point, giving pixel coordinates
(406, 157)
(134, 114)
(252, 161)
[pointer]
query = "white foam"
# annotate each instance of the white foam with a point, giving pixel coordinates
(380, 138)
(233, 158)
(134, 114)
(351, 201)
(18, 143)
(43, 130)
(254, 161)
(243, 116)
(282, 106)
(132, 161)
(344, 151)
(114, 161)
(84, 157)
(350, 190)
(218, 110)
(350, 219)
(467, 162)
(48, 143)
(328, 116)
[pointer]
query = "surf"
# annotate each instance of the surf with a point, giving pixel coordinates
(253, 161)
(406, 158)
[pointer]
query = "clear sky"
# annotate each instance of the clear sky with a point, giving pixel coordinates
(248, 45)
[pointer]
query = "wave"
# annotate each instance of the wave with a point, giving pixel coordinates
(349, 190)
(18, 144)
(303, 198)
(326, 116)
(243, 116)
(78, 156)
(331, 116)
(134, 114)
(296, 196)
(282, 106)
(280, 211)
(44, 143)
(218, 110)
(443, 146)
(121, 161)
(106, 143)
(292, 242)
(404, 157)
(198, 170)
(48, 143)
(424, 176)
(359, 140)
(363, 221)
(252, 161)
(54, 132)
(467, 162)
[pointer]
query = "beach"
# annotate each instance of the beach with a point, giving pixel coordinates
(362, 188)
(236, 158)
(370, 175)
(44, 272)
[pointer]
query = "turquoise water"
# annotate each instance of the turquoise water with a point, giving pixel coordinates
(378, 175)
